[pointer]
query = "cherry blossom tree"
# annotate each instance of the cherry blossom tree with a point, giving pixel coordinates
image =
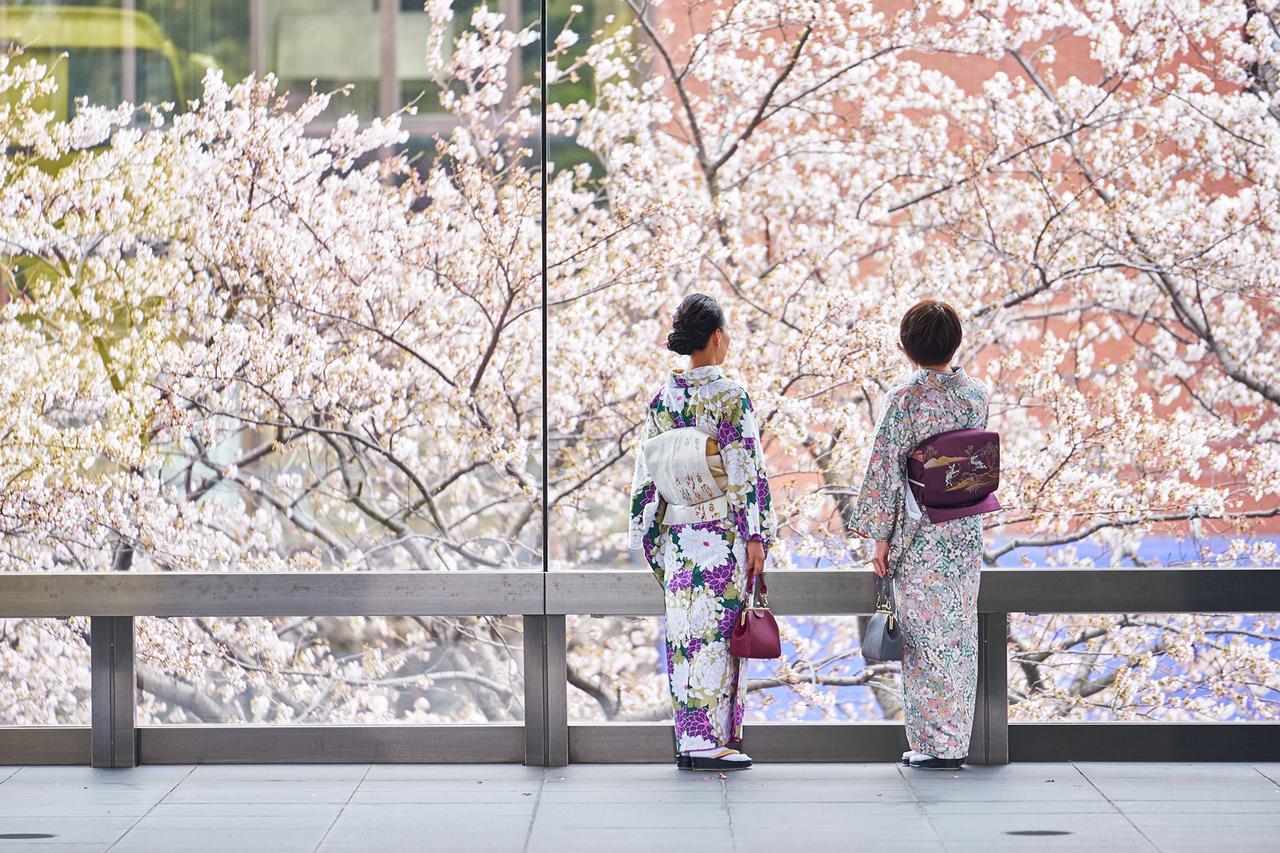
(1106, 227)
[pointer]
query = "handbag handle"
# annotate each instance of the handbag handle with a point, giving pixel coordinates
(885, 602)
(757, 592)
(884, 593)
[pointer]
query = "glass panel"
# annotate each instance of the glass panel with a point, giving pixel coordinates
(603, 357)
(617, 669)
(1144, 666)
(44, 672)
(617, 275)
(391, 423)
(330, 670)
(822, 676)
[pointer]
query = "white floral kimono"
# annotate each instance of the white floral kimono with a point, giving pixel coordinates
(702, 565)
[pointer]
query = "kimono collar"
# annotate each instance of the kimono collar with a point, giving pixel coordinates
(938, 379)
(695, 376)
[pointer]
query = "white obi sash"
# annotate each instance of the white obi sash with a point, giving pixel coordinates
(686, 476)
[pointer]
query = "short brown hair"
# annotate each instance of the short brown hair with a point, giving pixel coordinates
(930, 332)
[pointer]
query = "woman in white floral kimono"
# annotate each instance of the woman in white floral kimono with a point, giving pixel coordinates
(935, 566)
(701, 510)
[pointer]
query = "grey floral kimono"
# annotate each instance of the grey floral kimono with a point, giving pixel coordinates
(702, 565)
(936, 576)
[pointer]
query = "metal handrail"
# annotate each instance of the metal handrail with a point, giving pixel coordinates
(479, 593)
(606, 591)
(603, 591)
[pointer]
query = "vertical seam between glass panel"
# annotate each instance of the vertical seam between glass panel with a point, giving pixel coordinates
(544, 152)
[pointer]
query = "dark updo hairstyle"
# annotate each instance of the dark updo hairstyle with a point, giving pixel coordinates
(930, 332)
(695, 321)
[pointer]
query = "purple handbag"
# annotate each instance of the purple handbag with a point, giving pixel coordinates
(955, 474)
(755, 634)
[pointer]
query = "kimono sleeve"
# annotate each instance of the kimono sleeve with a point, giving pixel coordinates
(880, 498)
(750, 501)
(984, 404)
(647, 506)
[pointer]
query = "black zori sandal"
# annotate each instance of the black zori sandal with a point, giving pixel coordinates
(920, 762)
(685, 762)
(719, 761)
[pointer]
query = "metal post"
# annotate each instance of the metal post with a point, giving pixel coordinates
(546, 691)
(557, 692)
(990, 743)
(535, 690)
(113, 741)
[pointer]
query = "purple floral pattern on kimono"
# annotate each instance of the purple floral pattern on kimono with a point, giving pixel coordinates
(718, 577)
(681, 579)
(702, 567)
(935, 568)
(730, 615)
(727, 433)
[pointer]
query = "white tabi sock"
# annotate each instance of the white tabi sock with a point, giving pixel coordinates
(714, 752)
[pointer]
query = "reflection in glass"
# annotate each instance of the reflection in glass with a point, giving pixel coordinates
(145, 51)
(336, 43)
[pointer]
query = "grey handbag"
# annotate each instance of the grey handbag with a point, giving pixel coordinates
(882, 641)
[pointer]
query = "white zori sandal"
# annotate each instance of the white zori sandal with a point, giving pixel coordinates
(716, 758)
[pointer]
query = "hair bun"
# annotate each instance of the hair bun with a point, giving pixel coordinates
(695, 321)
(679, 341)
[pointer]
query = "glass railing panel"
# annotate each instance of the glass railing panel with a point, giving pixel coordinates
(1144, 666)
(330, 670)
(618, 672)
(44, 672)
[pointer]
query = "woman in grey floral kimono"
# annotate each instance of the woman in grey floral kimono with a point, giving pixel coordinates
(701, 511)
(935, 566)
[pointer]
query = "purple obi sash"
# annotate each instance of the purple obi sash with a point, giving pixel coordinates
(955, 474)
